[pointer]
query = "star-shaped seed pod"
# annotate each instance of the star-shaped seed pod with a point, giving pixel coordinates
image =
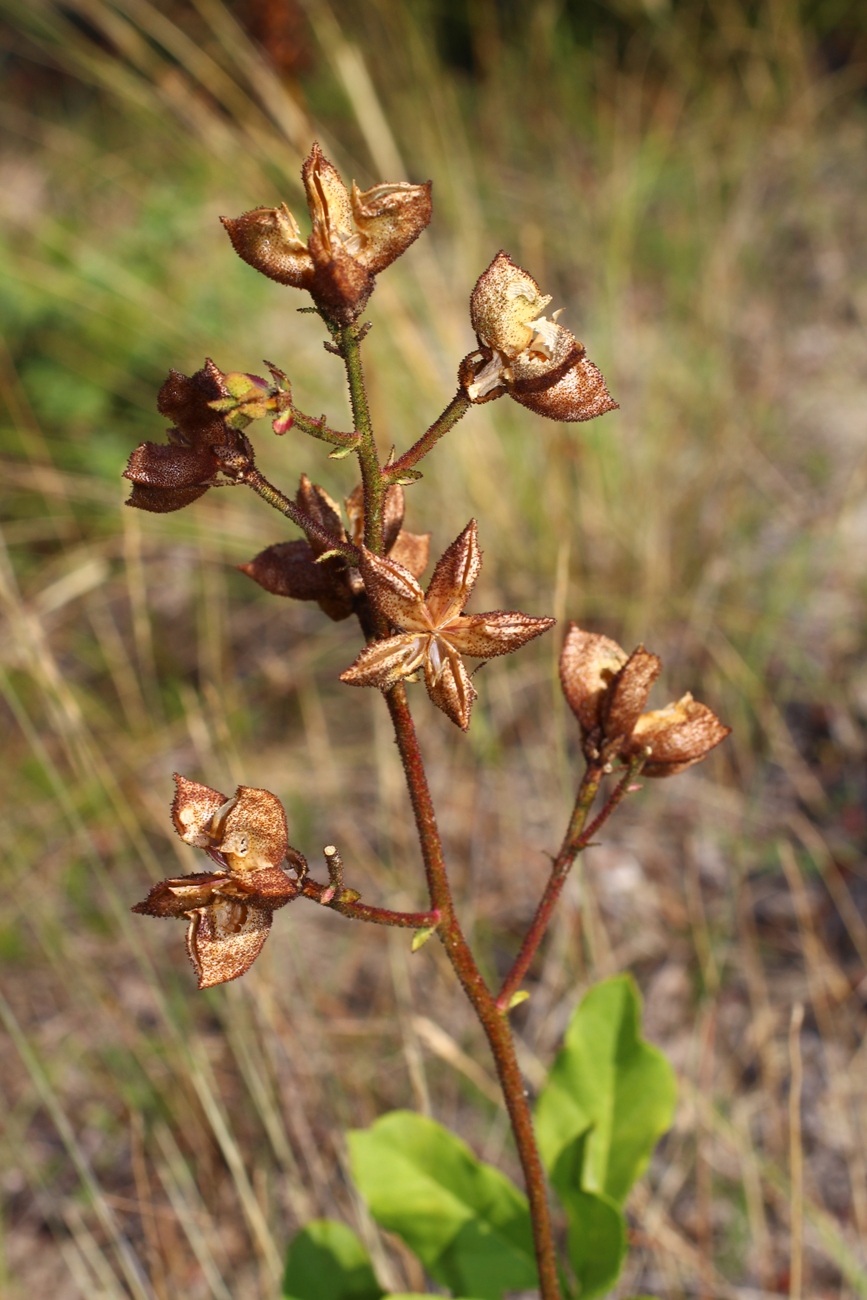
(434, 633)
(202, 445)
(353, 237)
(294, 569)
(229, 910)
(523, 353)
(607, 691)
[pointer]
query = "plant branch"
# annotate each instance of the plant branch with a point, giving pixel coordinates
(457, 407)
(347, 904)
(287, 507)
(373, 483)
(494, 1023)
(319, 429)
(577, 837)
(616, 797)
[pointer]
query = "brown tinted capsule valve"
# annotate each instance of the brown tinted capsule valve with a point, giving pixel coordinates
(607, 690)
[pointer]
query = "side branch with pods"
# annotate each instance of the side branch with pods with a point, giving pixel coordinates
(371, 570)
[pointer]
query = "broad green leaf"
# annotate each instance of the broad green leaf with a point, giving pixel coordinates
(610, 1084)
(326, 1261)
(597, 1229)
(468, 1224)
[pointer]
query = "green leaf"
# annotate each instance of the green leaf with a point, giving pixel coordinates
(468, 1224)
(420, 938)
(608, 1098)
(609, 1083)
(326, 1261)
(597, 1229)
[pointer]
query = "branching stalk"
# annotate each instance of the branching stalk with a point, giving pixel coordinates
(491, 1011)
(319, 429)
(287, 507)
(348, 905)
(373, 484)
(457, 407)
(494, 1023)
(576, 839)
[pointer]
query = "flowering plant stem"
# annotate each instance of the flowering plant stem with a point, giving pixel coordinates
(491, 1010)
(492, 1018)
(457, 407)
(410, 633)
(274, 497)
(575, 840)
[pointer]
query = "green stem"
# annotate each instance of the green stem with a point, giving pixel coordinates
(373, 484)
(319, 429)
(493, 1021)
(457, 407)
(260, 485)
(574, 841)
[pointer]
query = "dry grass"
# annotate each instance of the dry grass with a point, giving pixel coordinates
(698, 202)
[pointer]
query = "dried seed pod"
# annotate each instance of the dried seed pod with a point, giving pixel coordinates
(229, 910)
(588, 664)
(202, 445)
(523, 353)
(677, 736)
(353, 237)
(607, 691)
(434, 633)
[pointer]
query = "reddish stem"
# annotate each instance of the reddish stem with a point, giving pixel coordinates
(494, 1023)
(349, 906)
(577, 837)
(617, 795)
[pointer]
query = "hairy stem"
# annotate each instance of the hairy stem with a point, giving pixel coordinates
(457, 407)
(287, 507)
(494, 1023)
(373, 483)
(319, 429)
(617, 795)
(577, 837)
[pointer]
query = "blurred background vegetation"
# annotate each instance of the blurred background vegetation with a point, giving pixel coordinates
(689, 180)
